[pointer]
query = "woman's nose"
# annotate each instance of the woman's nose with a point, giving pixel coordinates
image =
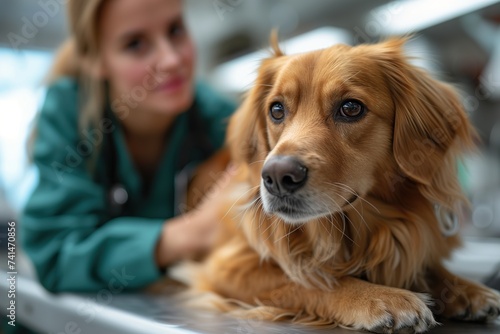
(167, 57)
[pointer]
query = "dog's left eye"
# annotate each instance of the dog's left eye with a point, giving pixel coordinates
(277, 112)
(351, 109)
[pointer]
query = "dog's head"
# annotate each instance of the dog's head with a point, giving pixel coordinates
(320, 130)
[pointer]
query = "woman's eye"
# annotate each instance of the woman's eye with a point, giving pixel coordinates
(177, 29)
(351, 109)
(277, 112)
(134, 45)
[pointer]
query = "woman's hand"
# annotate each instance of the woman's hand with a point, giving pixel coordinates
(195, 232)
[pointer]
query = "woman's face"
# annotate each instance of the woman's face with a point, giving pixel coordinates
(147, 55)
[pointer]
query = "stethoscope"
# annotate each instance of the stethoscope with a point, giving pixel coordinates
(196, 139)
(117, 196)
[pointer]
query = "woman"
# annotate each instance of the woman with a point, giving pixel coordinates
(121, 119)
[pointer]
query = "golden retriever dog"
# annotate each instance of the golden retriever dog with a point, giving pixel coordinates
(345, 193)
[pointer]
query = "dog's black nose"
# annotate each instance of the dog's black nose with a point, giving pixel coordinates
(283, 175)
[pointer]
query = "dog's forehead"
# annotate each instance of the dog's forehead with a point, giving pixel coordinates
(335, 69)
(333, 62)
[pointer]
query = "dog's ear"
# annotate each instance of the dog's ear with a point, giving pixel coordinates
(430, 123)
(247, 137)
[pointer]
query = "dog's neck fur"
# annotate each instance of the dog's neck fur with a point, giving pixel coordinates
(371, 239)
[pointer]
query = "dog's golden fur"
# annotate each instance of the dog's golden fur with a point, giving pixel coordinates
(368, 254)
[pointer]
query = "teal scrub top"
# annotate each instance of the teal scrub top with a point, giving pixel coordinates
(62, 228)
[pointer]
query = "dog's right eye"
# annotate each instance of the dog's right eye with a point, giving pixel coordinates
(277, 112)
(350, 111)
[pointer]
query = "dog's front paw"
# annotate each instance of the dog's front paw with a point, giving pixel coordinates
(469, 301)
(395, 311)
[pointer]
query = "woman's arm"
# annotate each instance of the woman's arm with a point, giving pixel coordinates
(62, 230)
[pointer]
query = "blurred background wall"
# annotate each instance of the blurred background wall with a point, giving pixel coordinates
(459, 40)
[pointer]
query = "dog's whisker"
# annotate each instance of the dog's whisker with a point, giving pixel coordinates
(247, 207)
(330, 232)
(236, 201)
(326, 228)
(274, 223)
(255, 203)
(343, 226)
(261, 217)
(344, 216)
(330, 218)
(352, 191)
(344, 234)
(341, 231)
(256, 161)
(360, 214)
(333, 221)
(343, 186)
(255, 212)
(356, 210)
(288, 234)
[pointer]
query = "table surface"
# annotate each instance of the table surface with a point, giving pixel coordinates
(161, 311)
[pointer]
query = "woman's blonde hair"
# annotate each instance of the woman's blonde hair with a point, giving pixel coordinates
(78, 54)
